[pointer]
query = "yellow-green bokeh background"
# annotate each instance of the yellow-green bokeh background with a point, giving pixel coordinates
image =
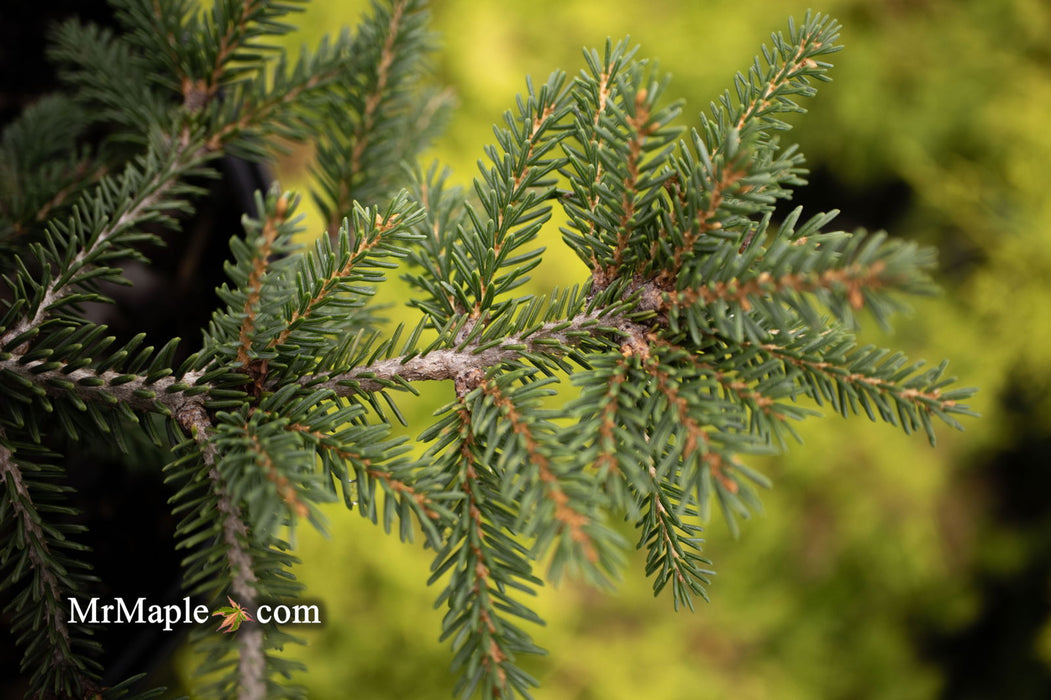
(872, 543)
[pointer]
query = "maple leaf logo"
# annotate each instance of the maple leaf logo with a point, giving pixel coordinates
(233, 616)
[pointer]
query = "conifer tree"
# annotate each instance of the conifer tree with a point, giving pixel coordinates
(711, 320)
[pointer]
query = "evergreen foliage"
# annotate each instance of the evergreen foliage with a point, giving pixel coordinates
(711, 320)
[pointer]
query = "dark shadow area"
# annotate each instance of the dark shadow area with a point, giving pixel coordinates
(995, 655)
(873, 206)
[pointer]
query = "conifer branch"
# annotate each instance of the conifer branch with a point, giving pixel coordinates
(852, 281)
(561, 510)
(259, 266)
(700, 329)
(251, 663)
(368, 244)
(698, 443)
(142, 193)
(84, 173)
(42, 165)
(165, 395)
(237, 23)
(755, 388)
(570, 518)
(640, 129)
(485, 566)
(165, 25)
(422, 502)
(234, 530)
(555, 338)
(366, 126)
(32, 554)
(357, 160)
(672, 558)
(814, 39)
(273, 109)
(285, 491)
(704, 222)
(115, 84)
(871, 380)
(491, 651)
(602, 92)
(234, 533)
(607, 458)
(232, 37)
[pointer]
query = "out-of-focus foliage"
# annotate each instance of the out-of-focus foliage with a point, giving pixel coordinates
(882, 569)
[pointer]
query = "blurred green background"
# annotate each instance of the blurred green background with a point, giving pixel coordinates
(882, 568)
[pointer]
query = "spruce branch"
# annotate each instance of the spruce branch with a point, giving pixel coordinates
(85, 385)
(254, 284)
(250, 658)
(844, 272)
(112, 82)
(41, 556)
(600, 396)
(401, 486)
(41, 166)
(198, 424)
(278, 106)
(155, 28)
(241, 559)
(553, 339)
(704, 329)
(103, 229)
(484, 563)
(483, 250)
(232, 43)
(703, 434)
(617, 165)
(672, 543)
(756, 386)
(357, 160)
(330, 276)
(736, 169)
(872, 380)
(558, 507)
(375, 94)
